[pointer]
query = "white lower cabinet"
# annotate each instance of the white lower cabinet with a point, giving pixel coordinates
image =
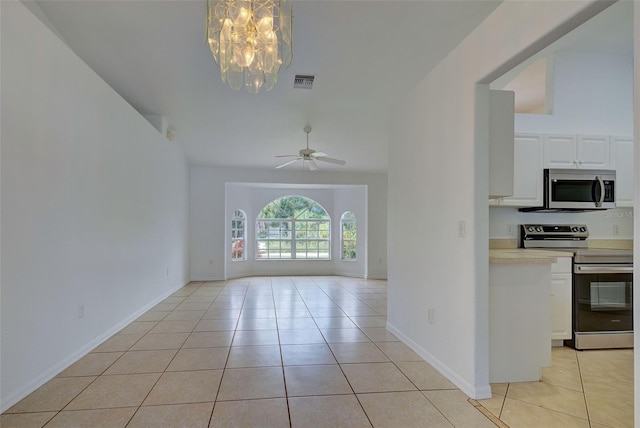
(561, 307)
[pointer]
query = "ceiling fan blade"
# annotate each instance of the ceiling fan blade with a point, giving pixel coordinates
(316, 154)
(312, 165)
(288, 163)
(330, 160)
(287, 156)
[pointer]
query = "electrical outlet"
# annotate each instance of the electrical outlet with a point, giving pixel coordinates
(462, 229)
(431, 315)
(81, 311)
(511, 229)
(616, 229)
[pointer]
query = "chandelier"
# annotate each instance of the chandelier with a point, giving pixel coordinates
(250, 40)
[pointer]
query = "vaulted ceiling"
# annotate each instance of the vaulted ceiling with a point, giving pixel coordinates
(365, 55)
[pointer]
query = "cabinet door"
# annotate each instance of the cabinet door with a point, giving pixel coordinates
(622, 162)
(501, 143)
(560, 306)
(527, 172)
(560, 151)
(593, 151)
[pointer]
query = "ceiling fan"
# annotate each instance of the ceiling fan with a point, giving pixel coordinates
(309, 156)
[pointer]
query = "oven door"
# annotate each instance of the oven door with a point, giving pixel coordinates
(603, 298)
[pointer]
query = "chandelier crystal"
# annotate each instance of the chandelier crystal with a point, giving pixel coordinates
(250, 40)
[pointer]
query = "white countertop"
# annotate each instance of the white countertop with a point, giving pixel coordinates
(525, 256)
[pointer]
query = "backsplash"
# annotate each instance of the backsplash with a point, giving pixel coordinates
(615, 224)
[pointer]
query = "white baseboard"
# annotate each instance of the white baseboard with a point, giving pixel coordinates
(207, 278)
(383, 277)
(54, 370)
(475, 392)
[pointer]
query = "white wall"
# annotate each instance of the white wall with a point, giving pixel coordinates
(94, 208)
(215, 194)
(440, 129)
(636, 221)
(593, 94)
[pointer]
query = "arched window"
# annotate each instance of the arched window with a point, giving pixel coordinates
(348, 235)
(293, 227)
(238, 235)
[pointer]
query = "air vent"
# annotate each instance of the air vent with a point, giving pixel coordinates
(303, 81)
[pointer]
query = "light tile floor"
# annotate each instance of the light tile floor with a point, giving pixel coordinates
(302, 352)
(592, 388)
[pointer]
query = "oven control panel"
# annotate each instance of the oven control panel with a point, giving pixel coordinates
(576, 230)
(553, 235)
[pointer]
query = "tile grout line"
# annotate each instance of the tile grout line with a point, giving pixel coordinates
(340, 364)
(584, 393)
(215, 399)
(165, 369)
(284, 376)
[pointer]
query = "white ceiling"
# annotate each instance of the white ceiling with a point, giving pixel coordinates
(610, 32)
(365, 55)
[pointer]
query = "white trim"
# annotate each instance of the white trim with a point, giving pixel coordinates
(380, 276)
(206, 277)
(57, 368)
(475, 392)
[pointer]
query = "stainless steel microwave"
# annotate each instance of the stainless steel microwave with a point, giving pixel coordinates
(579, 189)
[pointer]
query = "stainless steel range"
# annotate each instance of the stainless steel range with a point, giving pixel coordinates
(602, 290)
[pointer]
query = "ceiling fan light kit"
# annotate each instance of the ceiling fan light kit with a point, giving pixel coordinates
(309, 156)
(250, 40)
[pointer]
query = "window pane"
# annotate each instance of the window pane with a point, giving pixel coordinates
(293, 223)
(237, 236)
(348, 235)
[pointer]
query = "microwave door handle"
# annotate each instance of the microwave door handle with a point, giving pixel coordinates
(601, 200)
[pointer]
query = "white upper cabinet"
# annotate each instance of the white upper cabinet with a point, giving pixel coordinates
(527, 176)
(576, 151)
(593, 152)
(560, 151)
(622, 162)
(501, 124)
(532, 152)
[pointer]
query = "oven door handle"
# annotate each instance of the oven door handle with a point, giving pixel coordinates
(602, 269)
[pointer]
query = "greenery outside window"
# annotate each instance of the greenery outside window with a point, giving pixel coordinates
(348, 235)
(293, 227)
(238, 236)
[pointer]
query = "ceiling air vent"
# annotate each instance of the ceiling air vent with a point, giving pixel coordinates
(303, 81)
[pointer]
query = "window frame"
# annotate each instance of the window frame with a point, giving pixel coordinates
(344, 221)
(298, 236)
(239, 240)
